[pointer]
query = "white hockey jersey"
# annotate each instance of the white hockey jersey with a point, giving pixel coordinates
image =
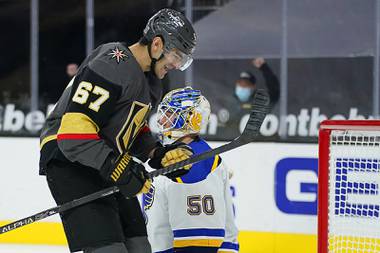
(195, 211)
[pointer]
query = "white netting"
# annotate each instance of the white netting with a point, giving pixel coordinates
(354, 198)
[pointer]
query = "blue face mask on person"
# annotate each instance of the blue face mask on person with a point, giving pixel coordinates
(243, 93)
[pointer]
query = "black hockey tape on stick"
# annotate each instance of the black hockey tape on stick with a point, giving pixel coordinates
(261, 107)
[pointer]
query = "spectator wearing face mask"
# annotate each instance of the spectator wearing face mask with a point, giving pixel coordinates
(246, 84)
(233, 112)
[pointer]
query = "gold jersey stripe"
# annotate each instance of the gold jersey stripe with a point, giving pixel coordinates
(250, 241)
(47, 139)
(215, 164)
(77, 123)
(198, 242)
(179, 180)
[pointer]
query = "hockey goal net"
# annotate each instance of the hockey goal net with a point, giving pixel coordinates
(349, 186)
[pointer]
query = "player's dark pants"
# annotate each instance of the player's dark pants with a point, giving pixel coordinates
(111, 219)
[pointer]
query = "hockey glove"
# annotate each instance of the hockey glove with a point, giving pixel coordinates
(128, 175)
(166, 155)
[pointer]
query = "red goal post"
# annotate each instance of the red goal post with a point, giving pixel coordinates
(349, 186)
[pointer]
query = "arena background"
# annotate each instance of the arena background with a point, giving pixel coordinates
(325, 54)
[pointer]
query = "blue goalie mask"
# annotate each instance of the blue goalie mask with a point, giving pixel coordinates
(182, 112)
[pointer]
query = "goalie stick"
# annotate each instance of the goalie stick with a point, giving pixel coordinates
(261, 107)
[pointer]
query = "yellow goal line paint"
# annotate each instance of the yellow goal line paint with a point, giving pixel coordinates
(51, 233)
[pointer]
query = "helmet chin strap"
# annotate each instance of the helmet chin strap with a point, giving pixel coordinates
(153, 60)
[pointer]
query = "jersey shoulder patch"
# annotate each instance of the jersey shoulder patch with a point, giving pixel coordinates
(117, 54)
(114, 63)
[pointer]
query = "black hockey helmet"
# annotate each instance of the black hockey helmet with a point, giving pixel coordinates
(176, 31)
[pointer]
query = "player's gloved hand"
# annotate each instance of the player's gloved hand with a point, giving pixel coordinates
(166, 155)
(128, 175)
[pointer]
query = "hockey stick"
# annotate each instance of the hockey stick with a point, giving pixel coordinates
(261, 106)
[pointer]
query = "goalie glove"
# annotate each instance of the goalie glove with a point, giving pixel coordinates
(164, 156)
(128, 175)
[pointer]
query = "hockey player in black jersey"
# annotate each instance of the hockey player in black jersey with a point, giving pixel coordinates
(99, 123)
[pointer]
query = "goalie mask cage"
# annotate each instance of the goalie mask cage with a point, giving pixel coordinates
(348, 187)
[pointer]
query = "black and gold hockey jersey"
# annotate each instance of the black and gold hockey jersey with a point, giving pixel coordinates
(102, 112)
